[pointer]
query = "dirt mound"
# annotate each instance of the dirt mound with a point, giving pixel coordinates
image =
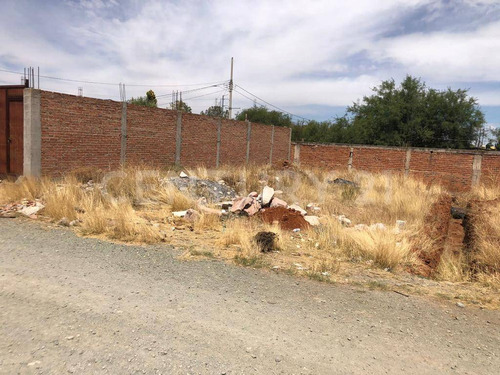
(287, 218)
(436, 228)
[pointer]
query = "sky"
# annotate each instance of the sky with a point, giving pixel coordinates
(309, 58)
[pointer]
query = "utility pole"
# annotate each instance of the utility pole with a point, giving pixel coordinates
(231, 92)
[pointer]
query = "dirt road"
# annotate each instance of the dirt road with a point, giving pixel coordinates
(83, 306)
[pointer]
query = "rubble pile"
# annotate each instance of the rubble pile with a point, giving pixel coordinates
(26, 207)
(212, 191)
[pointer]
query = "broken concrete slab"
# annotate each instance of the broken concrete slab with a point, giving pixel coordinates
(267, 195)
(276, 202)
(296, 207)
(239, 204)
(312, 220)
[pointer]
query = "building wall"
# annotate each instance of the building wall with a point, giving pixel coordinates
(84, 132)
(454, 169)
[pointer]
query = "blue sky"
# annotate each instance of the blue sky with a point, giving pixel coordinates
(311, 58)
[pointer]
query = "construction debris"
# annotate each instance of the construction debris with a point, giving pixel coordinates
(213, 191)
(267, 195)
(312, 220)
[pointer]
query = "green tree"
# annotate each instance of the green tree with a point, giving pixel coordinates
(414, 115)
(181, 106)
(215, 111)
(265, 116)
(149, 100)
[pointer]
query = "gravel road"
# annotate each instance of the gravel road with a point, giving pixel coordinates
(84, 306)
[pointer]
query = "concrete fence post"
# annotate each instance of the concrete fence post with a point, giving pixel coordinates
(32, 133)
(407, 162)
(123, 147)
(476, 169)
(249, 135)
(178, 139)
(296, 154)
(217, 156)
(290, 145)
(272, 145)
(351, 157)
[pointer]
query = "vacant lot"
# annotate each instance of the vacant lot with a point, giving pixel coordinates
(82, 305)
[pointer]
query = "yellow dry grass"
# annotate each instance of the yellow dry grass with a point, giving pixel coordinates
(136, 205)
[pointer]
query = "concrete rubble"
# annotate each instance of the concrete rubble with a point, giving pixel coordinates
(26, 207)
(211, 190)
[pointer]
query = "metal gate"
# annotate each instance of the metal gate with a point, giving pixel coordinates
(11, 130)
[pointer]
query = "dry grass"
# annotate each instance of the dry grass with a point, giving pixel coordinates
(136, 206)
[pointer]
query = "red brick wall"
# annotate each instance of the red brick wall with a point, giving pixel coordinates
(233, 148)
(450, 168)
(281, 144)
(328, 156)
(78, 132)
(490, 169)
(199, 140)
(150, 136)
(378, 159)
(260, 143)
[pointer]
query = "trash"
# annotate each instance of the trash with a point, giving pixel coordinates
(265, 241)
(296, 207)
(313, 220)
(267, 195)
(211, 190)
(179, 213)
(458, 213)
(183, 175)
(296, 230)
(341, 181)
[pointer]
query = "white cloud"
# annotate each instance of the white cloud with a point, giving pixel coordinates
(276, 45)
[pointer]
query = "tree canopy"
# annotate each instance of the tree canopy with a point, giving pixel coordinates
(215, 111)
(410, 114)
(149, 100)
(264, 116)
(181, 106)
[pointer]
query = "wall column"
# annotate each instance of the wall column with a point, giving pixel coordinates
(123, 149)
(351, 157)
(217, 156)
(272, 145)
(476, 169)
(178, 139)
(296, 154)
(407, 162)
(249, 135)
(32, 133)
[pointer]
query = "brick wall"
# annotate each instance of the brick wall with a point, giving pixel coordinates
(79, 132)
(450, 168)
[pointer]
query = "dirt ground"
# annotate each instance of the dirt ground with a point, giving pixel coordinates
(81, 305)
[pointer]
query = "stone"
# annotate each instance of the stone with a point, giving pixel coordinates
(253, 208)
(183, 175)
(378, 226)
(179, 213)
(253, 194)
(460, 304)
(276, 202)
(296, 207)
(239, 204)
(192, 215)
(267, 195)
(31, 210)
(64, 222)
(313, 220)
(344, 220)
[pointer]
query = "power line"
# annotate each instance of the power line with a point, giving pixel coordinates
(269, 104)
(112, 84)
